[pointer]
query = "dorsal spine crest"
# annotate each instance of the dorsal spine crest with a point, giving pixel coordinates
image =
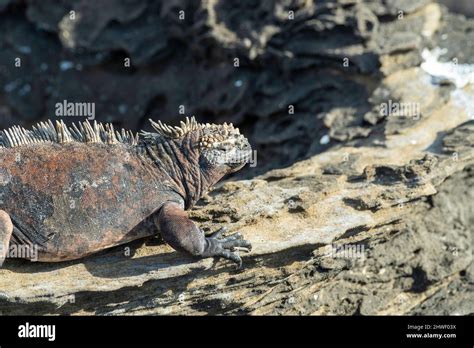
(84, 132)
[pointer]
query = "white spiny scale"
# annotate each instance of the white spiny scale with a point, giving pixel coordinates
(102, 134)
(69, 137)
(65, 132)
(45, 128)
(155, 125)
(111, 133)
(90, 132)
(7, 140)
(38, 133)
(84, 131)
(79, 134)
(119, 137)
(60, 132)
(96, 132)
(13, 138)
(52, 131)
(35, 131)
(26, 136)
(80, 129)
(4, 138)
(10, 140)
(33, 138)
(43, 132)
(17, 135)
(87, 131)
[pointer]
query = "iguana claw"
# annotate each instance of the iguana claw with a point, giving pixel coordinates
(217, 233)
(182, 234)
(224, 246)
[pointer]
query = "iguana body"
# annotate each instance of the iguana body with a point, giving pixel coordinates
(69, 192)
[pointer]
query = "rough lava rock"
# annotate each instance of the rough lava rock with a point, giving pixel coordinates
(354, 211)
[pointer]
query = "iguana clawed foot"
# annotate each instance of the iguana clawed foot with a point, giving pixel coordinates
(224, 246)
(183, 235)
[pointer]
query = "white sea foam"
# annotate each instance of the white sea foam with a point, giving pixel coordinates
(461, 75)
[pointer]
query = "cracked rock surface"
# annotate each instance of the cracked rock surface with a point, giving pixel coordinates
(376, 220)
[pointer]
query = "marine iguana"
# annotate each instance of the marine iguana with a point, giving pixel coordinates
(68, 192)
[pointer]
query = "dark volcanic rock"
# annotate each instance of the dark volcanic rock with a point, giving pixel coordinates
(360, 210)
(305, 70)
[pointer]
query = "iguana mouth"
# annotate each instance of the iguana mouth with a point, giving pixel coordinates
(240, 158)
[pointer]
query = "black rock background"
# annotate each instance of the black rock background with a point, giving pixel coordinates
(284, 64)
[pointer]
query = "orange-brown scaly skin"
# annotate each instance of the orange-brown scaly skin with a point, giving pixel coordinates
(76, 199)
(72, 195)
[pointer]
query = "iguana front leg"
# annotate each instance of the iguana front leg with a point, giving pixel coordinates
(6, 230)
(183, 235)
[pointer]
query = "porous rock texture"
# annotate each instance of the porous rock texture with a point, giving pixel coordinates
(352, 212)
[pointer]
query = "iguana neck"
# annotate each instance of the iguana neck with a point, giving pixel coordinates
(177, 165)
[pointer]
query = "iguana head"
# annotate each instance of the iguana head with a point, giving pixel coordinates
(206, 152)
(223, 146)
(219, 146)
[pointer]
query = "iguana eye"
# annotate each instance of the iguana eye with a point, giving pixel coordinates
(224, 148)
